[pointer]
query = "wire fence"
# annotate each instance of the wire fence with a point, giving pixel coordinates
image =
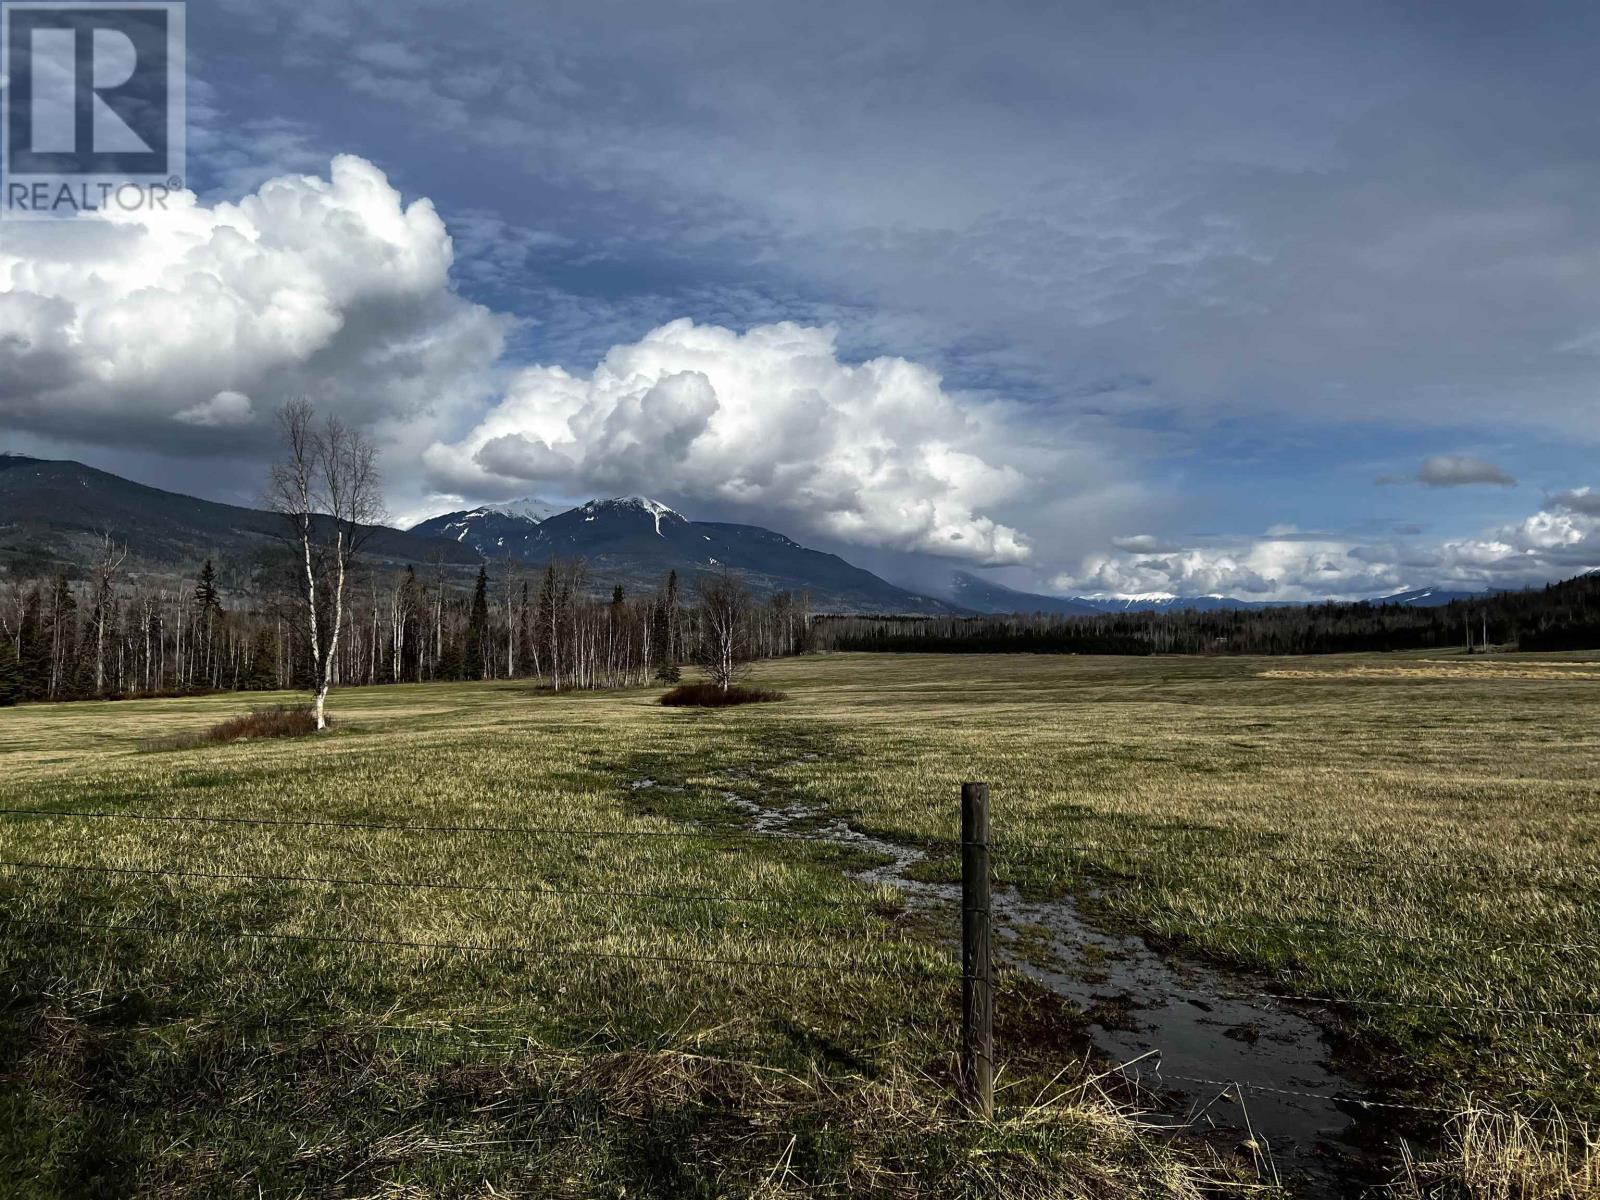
(1087, 855)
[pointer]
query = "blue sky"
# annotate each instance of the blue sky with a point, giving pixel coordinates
(1200, 275)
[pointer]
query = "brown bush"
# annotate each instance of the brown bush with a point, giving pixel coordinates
(280, 722)
(709, 695)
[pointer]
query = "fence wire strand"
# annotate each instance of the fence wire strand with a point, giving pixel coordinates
(433, 885)
(1268, 927)
(1161, 1077)
(558, 952)
(1351, 862)
(388, 827)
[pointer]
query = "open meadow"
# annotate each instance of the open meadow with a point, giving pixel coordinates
(483, 940)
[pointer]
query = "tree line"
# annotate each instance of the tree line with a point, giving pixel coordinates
(1562, 616)
(106, 637)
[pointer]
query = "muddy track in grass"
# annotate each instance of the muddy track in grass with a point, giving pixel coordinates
(1259, 1078)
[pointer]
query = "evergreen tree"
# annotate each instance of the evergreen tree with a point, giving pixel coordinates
(526, 657)
(674, 650)
(263, 673)
(10, 675)
(207, 598)
(207, 610)
(548, 621)
(664, 619)
(476, 664)
(33, 652)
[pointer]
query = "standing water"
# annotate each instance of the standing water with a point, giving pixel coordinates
(1255, 1073)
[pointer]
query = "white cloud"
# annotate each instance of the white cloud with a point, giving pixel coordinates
(152, 329)
(182, 331)
(1270, 569)
(875, 453)
(1550, 544)
(1144, 543)
(225, 408)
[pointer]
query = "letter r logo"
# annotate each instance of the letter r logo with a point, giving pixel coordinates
(96, 90)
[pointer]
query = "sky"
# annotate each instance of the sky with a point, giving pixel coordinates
(1277, 301)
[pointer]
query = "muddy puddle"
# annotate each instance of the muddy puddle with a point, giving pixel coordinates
(1253, 1076)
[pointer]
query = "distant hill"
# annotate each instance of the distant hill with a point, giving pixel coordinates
(1560, 616)
(982, 596)
(635, 541)
(1430, 597)
(53, 515)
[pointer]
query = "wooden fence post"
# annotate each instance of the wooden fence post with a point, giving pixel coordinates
(977, 967)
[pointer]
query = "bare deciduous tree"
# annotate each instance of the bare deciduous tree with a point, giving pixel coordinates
(328, 492)
(724, 648)
(106, 572)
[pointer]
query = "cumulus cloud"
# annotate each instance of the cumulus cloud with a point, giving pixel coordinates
(182, 331)
(225, 408)
(1559, 541)
(1580, 500)
(1269, 569)
(1144, 543)
(875, 453)
(1455, 470)
(185, 328)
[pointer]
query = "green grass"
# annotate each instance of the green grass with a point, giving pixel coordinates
(1382, 827)
(191, 1063)
(200, 1065)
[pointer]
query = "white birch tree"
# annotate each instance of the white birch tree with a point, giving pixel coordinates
(329, 494)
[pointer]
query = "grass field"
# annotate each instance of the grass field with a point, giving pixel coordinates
(1416, 834)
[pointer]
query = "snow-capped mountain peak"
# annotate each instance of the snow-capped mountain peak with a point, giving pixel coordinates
(489, 527)
(654, 509)
(530, 508)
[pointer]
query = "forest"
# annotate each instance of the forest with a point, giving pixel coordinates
(1562, 616)
(102, 638)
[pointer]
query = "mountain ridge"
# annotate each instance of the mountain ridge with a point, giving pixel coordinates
(55, 513)
(635, 540)
(993, 599)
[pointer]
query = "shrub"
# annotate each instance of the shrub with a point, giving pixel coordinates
(709, 695)
(280, 722)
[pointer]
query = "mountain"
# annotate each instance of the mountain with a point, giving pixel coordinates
(635, 541)
(53, 515)
(982, 596)
(488, 530)
(1430, 597)
(1161, 602)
